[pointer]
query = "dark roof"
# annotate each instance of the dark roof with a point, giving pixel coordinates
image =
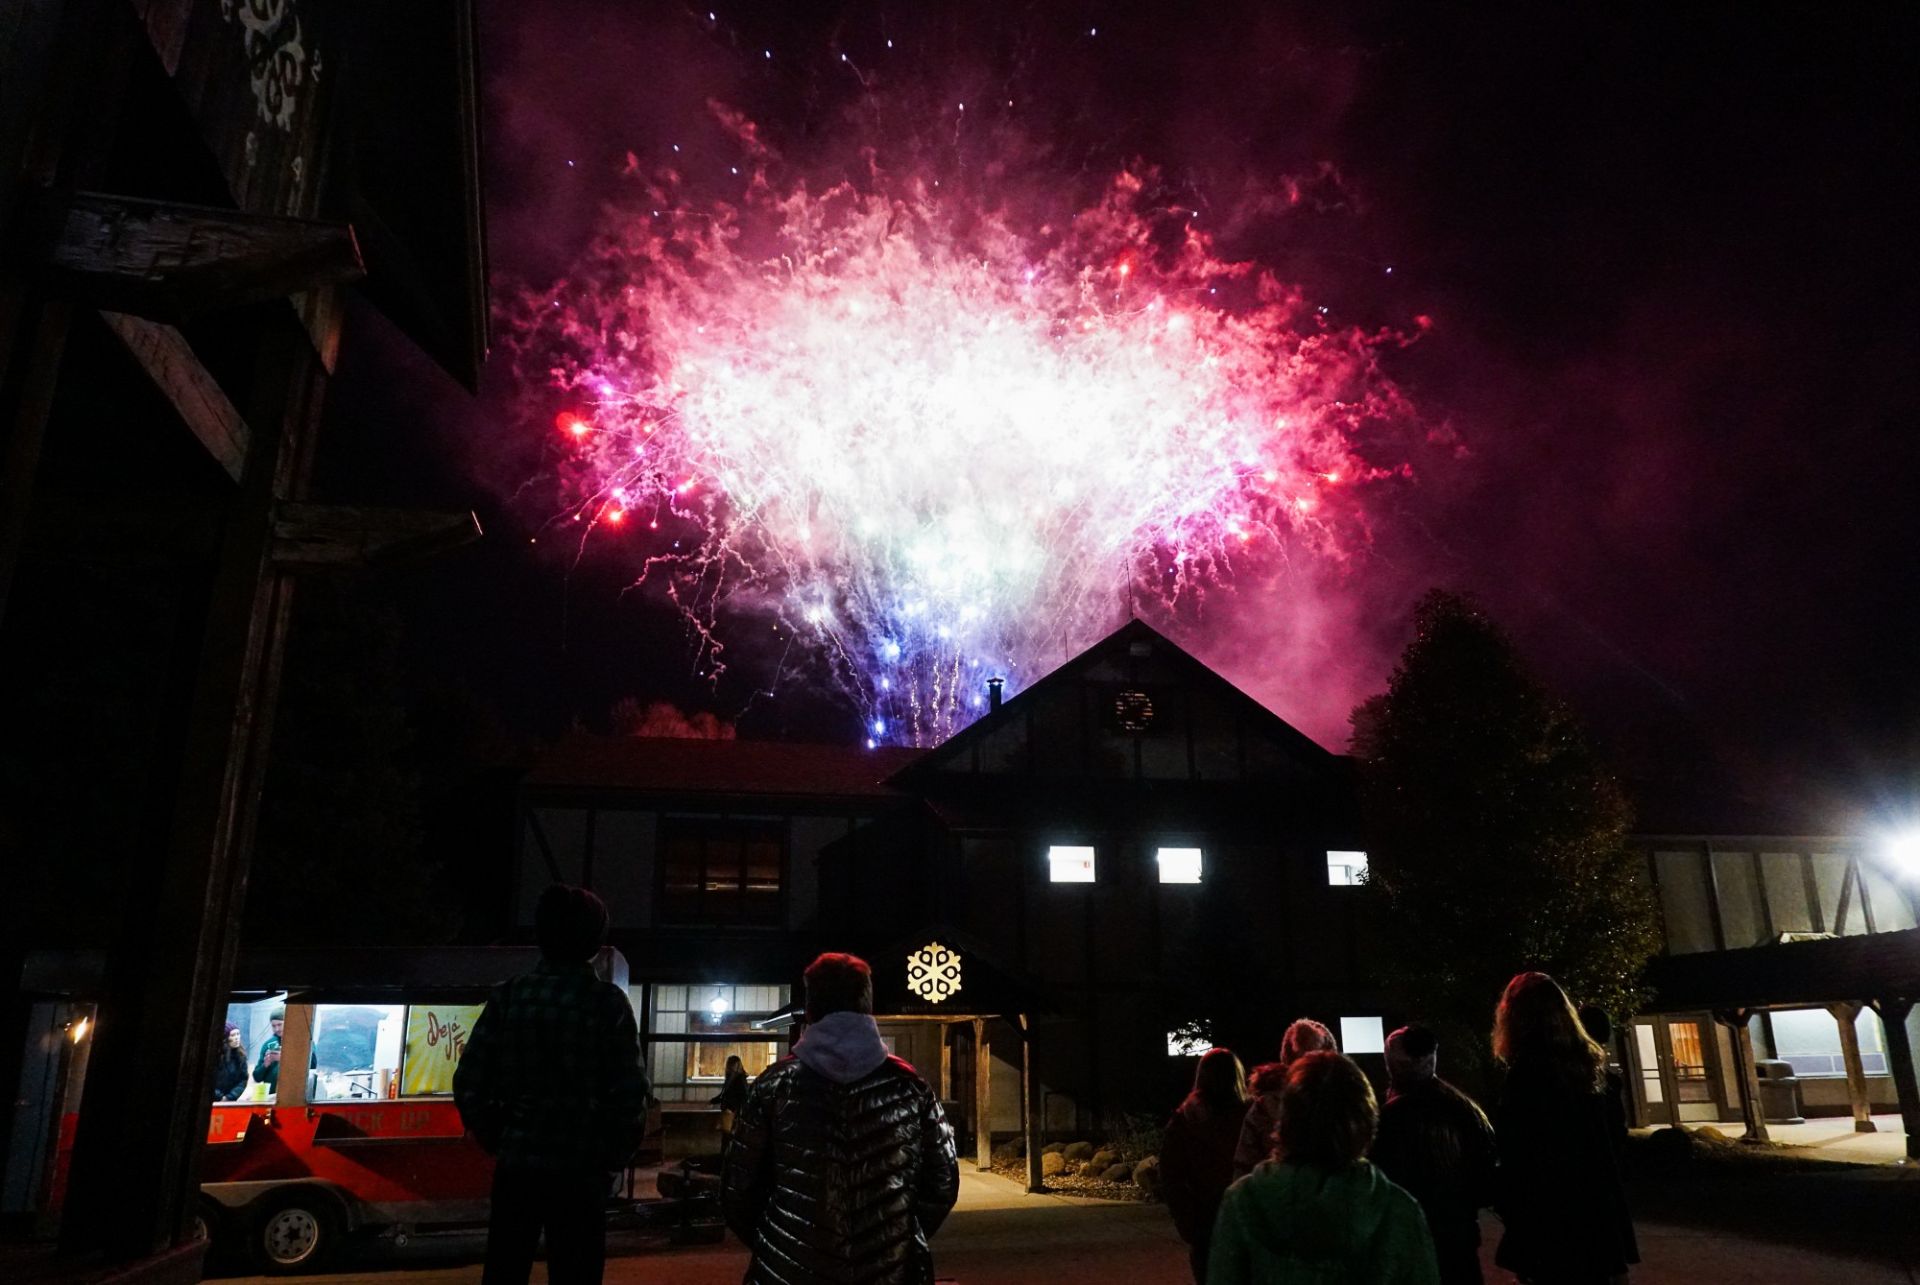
(1135, 630)
(668, 765)
(1837, 970)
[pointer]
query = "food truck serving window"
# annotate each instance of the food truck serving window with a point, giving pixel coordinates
(359, 1051)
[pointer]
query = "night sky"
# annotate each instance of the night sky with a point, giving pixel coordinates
(1669, 254)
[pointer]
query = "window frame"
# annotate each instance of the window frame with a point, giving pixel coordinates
(1364, 867)
(703, 828)
(1092, 862)
(1199, 865)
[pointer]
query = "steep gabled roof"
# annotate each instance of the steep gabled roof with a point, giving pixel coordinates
(1121, 641)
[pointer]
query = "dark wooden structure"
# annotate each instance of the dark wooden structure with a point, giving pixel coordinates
(187, 190)
(727, 865)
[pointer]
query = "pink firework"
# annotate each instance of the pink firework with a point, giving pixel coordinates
(938, 433)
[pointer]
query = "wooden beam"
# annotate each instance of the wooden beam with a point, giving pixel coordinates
(982, 1097)
(196, 397)
(318, 537)
(167, 261)
(1845, 1015)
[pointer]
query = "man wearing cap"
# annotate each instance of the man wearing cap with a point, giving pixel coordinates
(1434, 1141)
(267, 1070)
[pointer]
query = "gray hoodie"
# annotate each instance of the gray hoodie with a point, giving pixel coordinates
(844, 1047)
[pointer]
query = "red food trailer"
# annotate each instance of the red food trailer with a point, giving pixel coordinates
(368, 1139)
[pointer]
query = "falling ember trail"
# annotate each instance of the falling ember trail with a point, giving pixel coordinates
(944, 434)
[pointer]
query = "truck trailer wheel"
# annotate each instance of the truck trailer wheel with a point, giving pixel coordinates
(296, 1231)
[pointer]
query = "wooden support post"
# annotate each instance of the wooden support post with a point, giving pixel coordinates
(137, 1149)
(982, 1097)
(1893, 1020)
(946, 1062)
(1030, 1105)
(1746, 1074)
(167, 261)
(1846, 1015)
(168, 360)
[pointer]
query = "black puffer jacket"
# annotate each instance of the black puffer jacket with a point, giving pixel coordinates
(830, 1182)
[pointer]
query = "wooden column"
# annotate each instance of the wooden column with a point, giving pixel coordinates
(137, 1150)
(1746, 1073)
(946, 1062)
(982, 1097)
(1030, 1105)
(1846, 1015)
(1893, 1020)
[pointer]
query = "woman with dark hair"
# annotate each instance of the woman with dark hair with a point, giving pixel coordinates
(1560, 1193)
(230, 1066)
(1196, 1156)
(733, 1092)
(1318, 1212)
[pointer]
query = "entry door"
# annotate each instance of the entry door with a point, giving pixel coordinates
(1649, 1095)
(960, 1108)
(1694, 1066)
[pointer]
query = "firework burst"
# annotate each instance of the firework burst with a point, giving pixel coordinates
(937, 433)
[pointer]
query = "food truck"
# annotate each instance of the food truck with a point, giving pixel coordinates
(367, 1140)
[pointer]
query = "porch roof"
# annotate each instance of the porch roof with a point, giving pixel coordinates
(1834, 970)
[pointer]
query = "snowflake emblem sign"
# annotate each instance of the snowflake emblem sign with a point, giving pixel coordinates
(933, 972)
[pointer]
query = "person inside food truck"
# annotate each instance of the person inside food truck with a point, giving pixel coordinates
(267, 1070)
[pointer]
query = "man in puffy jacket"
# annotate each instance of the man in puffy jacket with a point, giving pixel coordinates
(841, 1166)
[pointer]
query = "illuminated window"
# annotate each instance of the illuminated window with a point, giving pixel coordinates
(1179, 865)
(1069, 864)
(1345, 869)
(1362, 1035)
(356, 1051)
(1184, 1043)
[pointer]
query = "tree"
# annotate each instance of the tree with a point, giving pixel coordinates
(1497, 839)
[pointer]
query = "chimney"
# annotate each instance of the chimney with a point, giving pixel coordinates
(993, 693)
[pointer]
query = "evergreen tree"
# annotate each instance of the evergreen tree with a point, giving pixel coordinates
(1498, 840)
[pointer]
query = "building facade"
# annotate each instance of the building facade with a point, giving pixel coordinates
(1784, 956)
(1063, 903)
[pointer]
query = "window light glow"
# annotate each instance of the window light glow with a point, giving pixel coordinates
(1345, 869)
(1067, 864)
(1179, 865)
(1362, 1035)
(1181, 1044)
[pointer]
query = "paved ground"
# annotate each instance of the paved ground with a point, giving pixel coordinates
(1833, 1138)
(1001, 1236)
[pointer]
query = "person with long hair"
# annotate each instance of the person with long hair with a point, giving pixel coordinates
(230, 1066)
(1256, 1136)
(733, 1092)
(1318, 1211)
(1196, 1155)
(1560, 1193)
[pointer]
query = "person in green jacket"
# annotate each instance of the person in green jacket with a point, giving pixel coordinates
(1318, 1213)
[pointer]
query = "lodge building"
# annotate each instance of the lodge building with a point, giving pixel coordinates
(1054, 895)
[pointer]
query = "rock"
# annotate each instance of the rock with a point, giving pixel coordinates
(1081, 1151)
(1117, 1173)
(1010, 1151)
(1052, 1164)
(1146, 1176)
(1707, 1133)
(1054, 1149)
(1104, 1159)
